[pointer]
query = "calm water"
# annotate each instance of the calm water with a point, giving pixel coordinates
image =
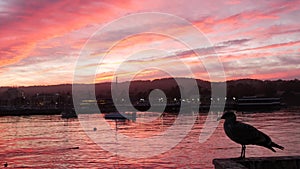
(52, 142)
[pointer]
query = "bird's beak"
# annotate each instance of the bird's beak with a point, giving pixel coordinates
(219, 118)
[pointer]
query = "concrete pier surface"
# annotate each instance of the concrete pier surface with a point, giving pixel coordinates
(280, 162)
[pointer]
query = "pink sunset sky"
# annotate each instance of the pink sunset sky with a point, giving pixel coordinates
(41, 41)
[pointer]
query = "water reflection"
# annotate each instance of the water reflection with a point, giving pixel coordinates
(51, 142)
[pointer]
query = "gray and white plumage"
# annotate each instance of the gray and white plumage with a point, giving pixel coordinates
(246, 134)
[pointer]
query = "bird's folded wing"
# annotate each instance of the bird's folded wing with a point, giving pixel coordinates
(248, 134)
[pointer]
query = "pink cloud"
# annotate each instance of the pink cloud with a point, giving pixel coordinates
(277, 75)
(278, 45)
(30, 23)
(233, 2)
(35, 34)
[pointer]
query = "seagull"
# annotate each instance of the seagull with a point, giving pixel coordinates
(246, 134)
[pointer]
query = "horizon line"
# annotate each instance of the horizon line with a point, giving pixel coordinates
(59, 84)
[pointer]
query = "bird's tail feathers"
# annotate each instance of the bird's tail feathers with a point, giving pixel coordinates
(277, 146)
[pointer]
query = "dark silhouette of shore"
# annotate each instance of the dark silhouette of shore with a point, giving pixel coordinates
(56, 99)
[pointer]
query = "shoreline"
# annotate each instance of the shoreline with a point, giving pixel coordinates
(169, 109)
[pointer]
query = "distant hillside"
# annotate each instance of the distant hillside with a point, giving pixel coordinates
(31, 90)
(288, 90)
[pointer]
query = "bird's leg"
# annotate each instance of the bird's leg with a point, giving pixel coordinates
(244, 151)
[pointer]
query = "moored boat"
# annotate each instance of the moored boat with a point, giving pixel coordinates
(258, 104)
(114, 115)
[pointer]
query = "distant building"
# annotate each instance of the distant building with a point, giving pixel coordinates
(12, 97)
(13, 93)
(45, 100)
